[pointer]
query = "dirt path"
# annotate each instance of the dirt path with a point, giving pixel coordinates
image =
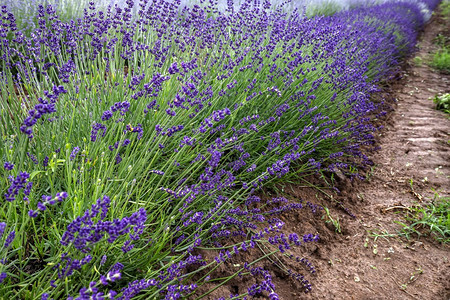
(415, 150)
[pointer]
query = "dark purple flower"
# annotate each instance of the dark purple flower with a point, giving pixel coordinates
(83, 232)
(33, 158)
(2, 228)
(47, 200)
(95, 129)
(33, 213)
(16, 185)
(45, 162)
(2, 277)
(9, 239)
(41, 206)
(107, 115)
(74, 153)
(8, 166)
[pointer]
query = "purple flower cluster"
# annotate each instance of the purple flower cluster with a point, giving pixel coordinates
(3, 276)
(74, 153)
(17, 184)
(69, 265)
(47, 200)
(173, 291)
(93, 291)
(9, 239)
(33, 158)
(44, 107)
(95, 129)
(2, 228)
(83, 233)
(123, 107)
(138, 128)
(8, 166)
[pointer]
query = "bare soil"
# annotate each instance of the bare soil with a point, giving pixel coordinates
(368, 259)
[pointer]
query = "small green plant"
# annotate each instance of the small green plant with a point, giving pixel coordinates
(441, 40)
(441, 60)
(330, 219)
(443, 102)
(418, 61)
(433, 219)
(445, 6)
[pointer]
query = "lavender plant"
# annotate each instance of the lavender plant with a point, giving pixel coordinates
(130, 142)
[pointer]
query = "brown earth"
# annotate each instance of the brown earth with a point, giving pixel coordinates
(369, 259)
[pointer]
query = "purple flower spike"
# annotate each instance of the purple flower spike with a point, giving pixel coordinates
(2, 277)
(273, 296)
(74, 153)
(17, 184)
(107, 115)
(45, 162)
(47, 200)
(32, 213)
(83, 232)
(8, 166)
(2, 228)
(10, 239)
(41, 206)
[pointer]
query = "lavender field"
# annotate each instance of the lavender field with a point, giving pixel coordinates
(137, 139)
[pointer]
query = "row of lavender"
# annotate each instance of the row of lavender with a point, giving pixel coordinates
(25, 10)
(130, 146)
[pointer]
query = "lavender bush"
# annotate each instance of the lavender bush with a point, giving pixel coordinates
(130, 143)
(25, 11)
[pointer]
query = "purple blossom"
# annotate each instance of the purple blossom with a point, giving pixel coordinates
(2, 228)
(47, 200)
(107, 115)
(83, 233)
(44, 107)
(69, 265)
(8, 166)
(16, 185)
(2, 277)
(52, 283)
(9, 239)
(33, 158)
(138, 128)
(135, 287)
(74, 153)
(45, 162)
(95, 129)
(156, 172)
